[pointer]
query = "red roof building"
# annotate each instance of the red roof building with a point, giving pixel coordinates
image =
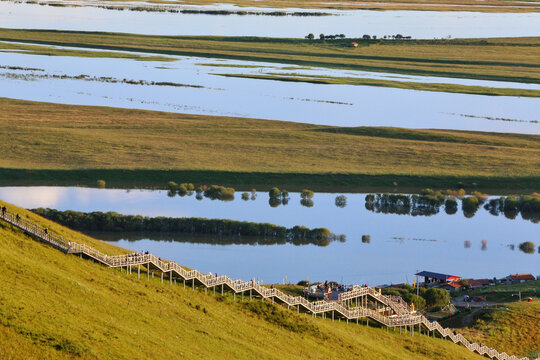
(451, 286)
(520, 277)
(473, 284)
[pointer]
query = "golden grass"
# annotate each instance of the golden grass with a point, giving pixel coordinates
(37, 135)
(515, 330)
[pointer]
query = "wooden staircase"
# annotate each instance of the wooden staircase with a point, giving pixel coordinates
(393, 313)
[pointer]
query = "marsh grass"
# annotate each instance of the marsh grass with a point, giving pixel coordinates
(53, 51)
(410, 85)
(504, 59)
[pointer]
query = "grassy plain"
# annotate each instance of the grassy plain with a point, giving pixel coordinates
(57, 306)
(44, 143)
(504, 59)
(412, 85)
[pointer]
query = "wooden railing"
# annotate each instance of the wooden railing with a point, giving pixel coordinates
(401, 315)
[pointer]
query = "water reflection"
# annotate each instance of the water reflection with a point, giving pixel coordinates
(335, 105)
(429, 204)
(209, 240)
(370, 254)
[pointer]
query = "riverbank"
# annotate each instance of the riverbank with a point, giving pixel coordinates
(504, 59)
(411, 85)
(55, 144)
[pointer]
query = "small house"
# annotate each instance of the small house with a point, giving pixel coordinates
(437, 278)
(451, 287)
(478, 283)
(354, 44)
(520, 278)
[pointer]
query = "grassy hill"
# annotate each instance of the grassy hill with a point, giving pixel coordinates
(59, 306)
(514, 330)
(46, 144)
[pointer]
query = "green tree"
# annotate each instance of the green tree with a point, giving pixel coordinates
(172, 186)
(307, 194)
(527, 247)
(274, 193)
(310, 36)
(436, 297)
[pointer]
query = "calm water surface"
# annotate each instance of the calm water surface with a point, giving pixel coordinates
(399, 245)
(338, 105)
(418, 24)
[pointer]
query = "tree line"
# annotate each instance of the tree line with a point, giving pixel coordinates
(114, 222)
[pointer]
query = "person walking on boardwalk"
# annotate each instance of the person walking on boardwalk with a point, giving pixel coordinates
(4, 211)
(17, 218)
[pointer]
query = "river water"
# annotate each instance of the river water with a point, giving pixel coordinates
(207, 93)
(399, 245)
(418, 24)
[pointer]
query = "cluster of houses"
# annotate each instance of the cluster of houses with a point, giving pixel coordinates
(454, 283)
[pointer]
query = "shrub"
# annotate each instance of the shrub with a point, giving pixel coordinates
(101, 184)
(306, 202)
(172, 186)
(341, 201)
(307, 194)
(182, 190)
(219, 192)
(274, 193)
(245, 196)
(527, 247)
(366, 239)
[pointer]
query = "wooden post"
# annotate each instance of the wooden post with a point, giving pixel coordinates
(193, 283)
(332, 315)
(234, 296)
(139, 271)
(249, 294)
(148, 273)
(214, 290)
(170, 278)
(184, 283)
(221, 289)
(162, 277)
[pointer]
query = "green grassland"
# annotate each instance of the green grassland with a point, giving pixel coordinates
(504, 59)
(412, 85)
(513, 329)
(57, 306)
(505, 293)
(54, 51)
(44, 143)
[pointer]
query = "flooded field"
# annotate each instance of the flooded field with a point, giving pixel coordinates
(191, 85)
(418, 24)
(379, 248)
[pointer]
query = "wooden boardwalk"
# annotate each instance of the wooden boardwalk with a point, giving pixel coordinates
(364, 303)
